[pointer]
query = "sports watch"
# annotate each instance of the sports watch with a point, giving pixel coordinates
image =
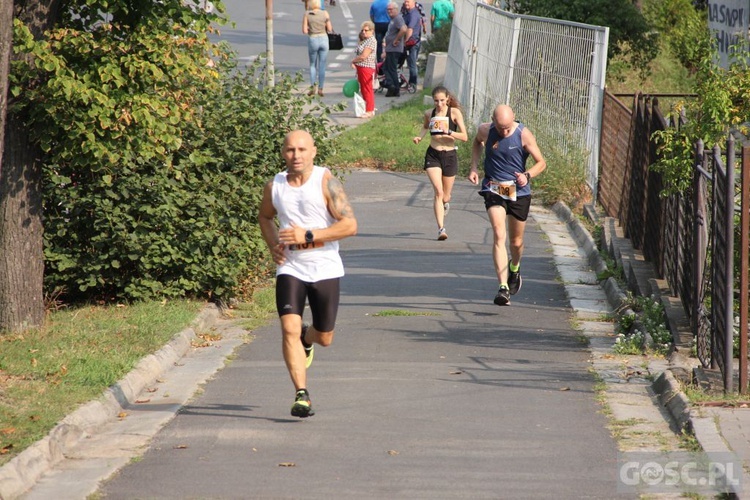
(309, 238)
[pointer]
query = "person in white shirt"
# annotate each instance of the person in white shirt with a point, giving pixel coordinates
(313, 213)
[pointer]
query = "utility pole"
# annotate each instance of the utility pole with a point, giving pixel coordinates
(269, 44)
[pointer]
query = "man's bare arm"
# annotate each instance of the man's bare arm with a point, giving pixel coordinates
(529, 143)
(341, 210)
(268, 228)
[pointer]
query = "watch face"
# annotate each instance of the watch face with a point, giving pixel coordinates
(309, 236)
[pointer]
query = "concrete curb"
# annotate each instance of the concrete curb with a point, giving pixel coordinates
(667, 386)
(21, 473)
(583, 238)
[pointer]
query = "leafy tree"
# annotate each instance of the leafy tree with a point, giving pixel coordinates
(629, 32)
(21, 260)
(21, 235)
(683, 27)
(155, 148)
(722, 102)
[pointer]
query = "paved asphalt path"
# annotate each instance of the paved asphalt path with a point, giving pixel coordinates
(457, 399)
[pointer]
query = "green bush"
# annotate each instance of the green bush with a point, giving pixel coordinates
(156, 161)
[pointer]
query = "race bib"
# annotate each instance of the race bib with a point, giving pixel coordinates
(504, 189)
(438, 125)
(306, 246)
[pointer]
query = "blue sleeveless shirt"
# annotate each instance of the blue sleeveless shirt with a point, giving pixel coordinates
(503, 157)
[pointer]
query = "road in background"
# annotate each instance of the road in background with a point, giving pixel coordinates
(248, 36)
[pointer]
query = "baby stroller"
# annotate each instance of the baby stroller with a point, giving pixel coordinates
(403, 81)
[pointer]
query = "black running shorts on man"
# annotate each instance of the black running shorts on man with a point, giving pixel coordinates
(518, 209)
(446, 160)
(323, 296)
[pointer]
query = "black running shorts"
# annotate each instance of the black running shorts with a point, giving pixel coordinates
(323, 297)
(447, 160)
(518, 209)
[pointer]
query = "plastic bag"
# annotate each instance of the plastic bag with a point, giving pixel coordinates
(359, 105)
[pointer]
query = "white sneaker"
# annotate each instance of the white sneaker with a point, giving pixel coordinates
(442, 235)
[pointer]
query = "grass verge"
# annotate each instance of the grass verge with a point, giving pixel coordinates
(47, 373)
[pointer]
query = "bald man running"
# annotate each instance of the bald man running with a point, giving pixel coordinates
(506, 189)
(313, 214)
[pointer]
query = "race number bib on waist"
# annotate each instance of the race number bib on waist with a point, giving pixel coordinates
(504, 189)
(306, 246)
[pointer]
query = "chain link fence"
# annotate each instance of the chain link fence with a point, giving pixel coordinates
(550, 72)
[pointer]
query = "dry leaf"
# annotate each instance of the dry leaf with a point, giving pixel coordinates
(287, 464)
(7, 431)
(181, 447)
(457, 372)
(152, 389)
(143, 400)
(211, 337)
(6, 449)
(122, 415)
(392, 453)
(564, 388)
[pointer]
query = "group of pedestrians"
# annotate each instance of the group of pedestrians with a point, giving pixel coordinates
(392, 36)
(401, 41)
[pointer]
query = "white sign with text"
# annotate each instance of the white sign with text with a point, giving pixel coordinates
(728, 22)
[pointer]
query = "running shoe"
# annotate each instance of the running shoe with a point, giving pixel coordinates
(442, 235)
(309, 349)
(503, 297)
(302, 407)
(514, 282)
(446, 207)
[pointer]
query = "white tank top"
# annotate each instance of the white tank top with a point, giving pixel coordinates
(306, 207)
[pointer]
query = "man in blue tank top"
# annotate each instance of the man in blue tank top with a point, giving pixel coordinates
(506, 189)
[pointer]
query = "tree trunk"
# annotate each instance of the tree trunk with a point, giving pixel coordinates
(22, 257)
(6, 46)
(21, 242)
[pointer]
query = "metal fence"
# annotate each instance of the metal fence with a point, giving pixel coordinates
(551, 72)
(689, 238)
(717, 281)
